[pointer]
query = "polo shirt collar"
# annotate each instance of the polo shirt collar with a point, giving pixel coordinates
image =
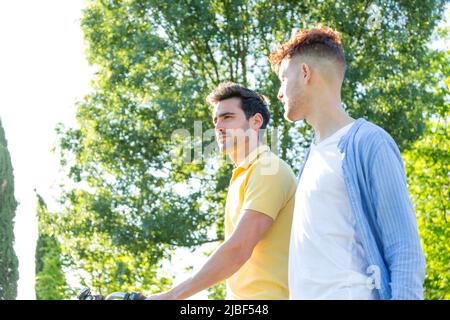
(252, 156)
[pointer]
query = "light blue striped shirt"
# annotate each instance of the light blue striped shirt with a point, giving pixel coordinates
(375, 181)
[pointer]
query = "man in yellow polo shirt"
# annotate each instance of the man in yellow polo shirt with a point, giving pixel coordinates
(259, 206)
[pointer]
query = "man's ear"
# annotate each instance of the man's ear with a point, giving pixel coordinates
(257, 121)
(306, 72)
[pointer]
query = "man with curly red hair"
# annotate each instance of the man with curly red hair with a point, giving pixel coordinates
(354, 233)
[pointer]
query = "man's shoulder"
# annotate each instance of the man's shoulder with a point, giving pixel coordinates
(370, 135)
(270, 164)
(367, 141)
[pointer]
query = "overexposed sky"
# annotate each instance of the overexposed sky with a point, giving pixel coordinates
(43, 72)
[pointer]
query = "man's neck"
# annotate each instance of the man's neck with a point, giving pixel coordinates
(239, 154)
(326, 121)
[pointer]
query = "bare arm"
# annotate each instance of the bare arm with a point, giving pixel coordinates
(227, 259)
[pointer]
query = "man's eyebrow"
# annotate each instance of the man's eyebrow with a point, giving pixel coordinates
(223, 114)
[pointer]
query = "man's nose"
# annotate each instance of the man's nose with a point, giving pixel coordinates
(219, 127)
(280, 95)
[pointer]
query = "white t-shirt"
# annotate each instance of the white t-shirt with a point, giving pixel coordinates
(326, 260)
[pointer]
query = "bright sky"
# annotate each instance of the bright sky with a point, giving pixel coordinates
(43, 72)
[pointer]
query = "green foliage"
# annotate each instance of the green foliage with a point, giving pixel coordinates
(156, 63)
(428, 165)
(50, 279)
(9, 273)
(428, 172)
(217, 292)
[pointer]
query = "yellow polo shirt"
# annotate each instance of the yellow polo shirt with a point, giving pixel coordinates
(264, 183)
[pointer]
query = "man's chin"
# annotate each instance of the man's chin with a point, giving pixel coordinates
(290, 117)
(223, 149)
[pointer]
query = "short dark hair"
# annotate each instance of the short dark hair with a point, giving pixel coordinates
(320, 41)
(251, 102)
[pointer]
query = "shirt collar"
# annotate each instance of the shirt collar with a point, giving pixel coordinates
(252, 156)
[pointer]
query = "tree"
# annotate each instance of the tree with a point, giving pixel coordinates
(217, 292)
(428, 172)
(136, 196)
(50, 279)
(428, 165)
(9, 272)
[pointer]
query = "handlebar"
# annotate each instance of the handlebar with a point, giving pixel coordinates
(85, 294)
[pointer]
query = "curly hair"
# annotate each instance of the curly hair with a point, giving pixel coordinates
(320, 41)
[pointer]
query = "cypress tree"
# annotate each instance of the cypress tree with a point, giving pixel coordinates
(50, 279)
(9, 273)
